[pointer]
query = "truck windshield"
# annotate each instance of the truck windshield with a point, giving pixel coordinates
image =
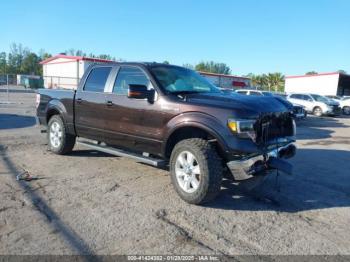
(179, 80)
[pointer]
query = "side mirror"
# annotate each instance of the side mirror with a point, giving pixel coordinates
(140, 92)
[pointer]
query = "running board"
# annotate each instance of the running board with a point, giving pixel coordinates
(119, 152)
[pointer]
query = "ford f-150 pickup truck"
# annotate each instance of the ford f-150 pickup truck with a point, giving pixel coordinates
(166, 115)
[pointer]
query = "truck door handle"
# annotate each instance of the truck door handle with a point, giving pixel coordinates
(109, 103)
(79, 100)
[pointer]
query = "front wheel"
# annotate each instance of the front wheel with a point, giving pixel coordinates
(196, 170)
(317, 111)
(59, 141)
(346, 110)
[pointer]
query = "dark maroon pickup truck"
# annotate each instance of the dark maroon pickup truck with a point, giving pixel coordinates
(169, 115)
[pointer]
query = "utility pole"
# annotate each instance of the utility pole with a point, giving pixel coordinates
(7, 84)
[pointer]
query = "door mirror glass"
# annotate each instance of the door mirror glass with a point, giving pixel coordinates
(140, 92)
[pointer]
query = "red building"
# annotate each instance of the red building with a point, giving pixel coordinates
(227, 81)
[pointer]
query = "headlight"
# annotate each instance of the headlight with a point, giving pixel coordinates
(294, 128)
(244, 128)
(37, 100)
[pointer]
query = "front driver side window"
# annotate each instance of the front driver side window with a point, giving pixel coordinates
(296, 96)
(129, 76)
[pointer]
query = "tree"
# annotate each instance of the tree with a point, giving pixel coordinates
(30, 64)
(166, 62)
(16, 57)
(213, 67)
(106, 57)
(311, 73)
(342, 71)
(258, 81)
(3, 63)
(21, 60)
(189, 66)
(271, 81)
(43, 55)
(275, 82)
(75, 52)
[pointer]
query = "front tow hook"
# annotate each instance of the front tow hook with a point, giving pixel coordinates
(281, 165)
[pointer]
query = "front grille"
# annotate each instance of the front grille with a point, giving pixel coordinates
(272, 126)
(297, 110)
(336, 109)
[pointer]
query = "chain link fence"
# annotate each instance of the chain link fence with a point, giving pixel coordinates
(8, 79)
(35, 82)
(12, 83)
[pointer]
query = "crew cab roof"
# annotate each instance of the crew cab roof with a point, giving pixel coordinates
(145, 64)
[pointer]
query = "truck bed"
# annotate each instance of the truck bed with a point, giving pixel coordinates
(61, 100)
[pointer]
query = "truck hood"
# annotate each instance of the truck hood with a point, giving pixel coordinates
(253, 104)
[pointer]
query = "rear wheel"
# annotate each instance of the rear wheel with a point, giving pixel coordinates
(59, 141)
(196, 170)
(317, 111)
(346, 110)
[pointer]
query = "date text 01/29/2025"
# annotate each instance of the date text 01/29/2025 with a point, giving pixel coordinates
(172, 258)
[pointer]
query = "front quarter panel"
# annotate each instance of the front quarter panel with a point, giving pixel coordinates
(227, 141)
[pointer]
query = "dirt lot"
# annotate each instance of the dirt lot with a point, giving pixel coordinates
(93, 203)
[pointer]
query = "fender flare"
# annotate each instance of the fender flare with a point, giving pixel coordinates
(198, 120)
(56, 105)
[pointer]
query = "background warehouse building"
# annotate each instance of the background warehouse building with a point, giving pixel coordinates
(63, 71)
(323, 84)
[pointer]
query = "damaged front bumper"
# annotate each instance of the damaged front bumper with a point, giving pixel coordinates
(259, 165)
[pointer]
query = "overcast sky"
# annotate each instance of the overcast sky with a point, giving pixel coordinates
(291, 37)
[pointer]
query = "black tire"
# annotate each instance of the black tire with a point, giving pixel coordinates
(211, 170)
(67, 141)
(317, 111)
(346, 110)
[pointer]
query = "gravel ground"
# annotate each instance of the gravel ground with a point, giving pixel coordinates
(93, 203)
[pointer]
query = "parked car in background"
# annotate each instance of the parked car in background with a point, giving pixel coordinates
(315, 104)
(298, 110)
(336, 98)
(253, 92)
(344, 103)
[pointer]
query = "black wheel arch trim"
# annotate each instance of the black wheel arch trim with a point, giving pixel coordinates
(210, 126)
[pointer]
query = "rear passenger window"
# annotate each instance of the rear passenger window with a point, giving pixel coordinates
(97, 79)
(253, 93)
(129, 76)
(242, 92)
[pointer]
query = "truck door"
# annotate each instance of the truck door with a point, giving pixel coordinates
(90, 103)
(133, 123)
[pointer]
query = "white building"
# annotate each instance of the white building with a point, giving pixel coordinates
(323, 84)
(227, 81)
(63, 71)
